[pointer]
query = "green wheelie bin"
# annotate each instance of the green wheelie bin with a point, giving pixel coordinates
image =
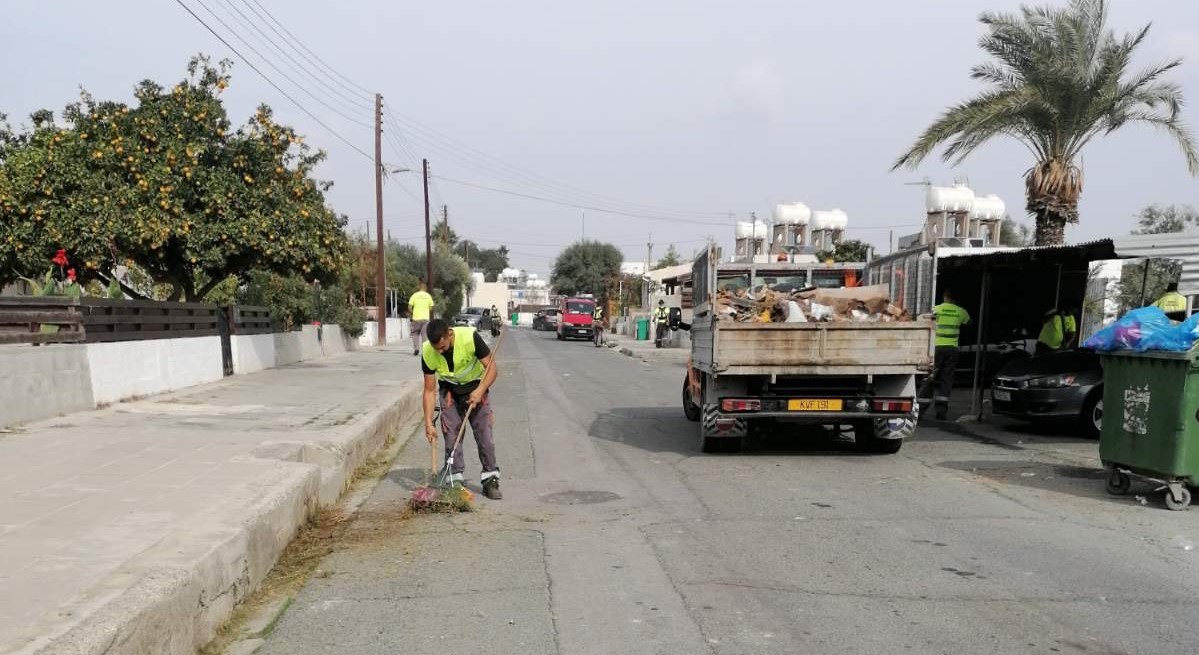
(1151, 421)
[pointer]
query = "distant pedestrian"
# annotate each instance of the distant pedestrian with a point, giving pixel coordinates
(1174, 304)
(950, 319)
(662, 324)
(459, 363)
(420, 307)
(598, 325)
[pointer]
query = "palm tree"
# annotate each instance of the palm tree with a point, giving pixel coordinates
(1059, 78)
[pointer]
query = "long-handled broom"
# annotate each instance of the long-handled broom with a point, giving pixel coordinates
(445, 494)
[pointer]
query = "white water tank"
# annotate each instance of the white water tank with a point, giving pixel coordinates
(988, 207)
(761, 231)
(744, 229)
(793, 213)
(829, 219)
(957, 198)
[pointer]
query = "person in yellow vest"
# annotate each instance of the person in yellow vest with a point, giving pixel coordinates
(420, 307)
(598, 325)
(1174, 304)
(458, 364)
(1058, 331)
(662, 323)
(950, 318)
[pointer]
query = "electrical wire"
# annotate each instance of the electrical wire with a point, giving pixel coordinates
(285, 76)
(480, 161)
(268, 80)
(579, 205)
(300, 43)
(265, 39)
(303, 51)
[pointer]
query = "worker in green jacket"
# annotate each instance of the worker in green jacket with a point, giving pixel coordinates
(1174, 304)
(1058, 331)
(950, 318)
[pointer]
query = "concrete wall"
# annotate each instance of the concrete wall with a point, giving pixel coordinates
(43, 381)
(398, 330)
(126, 369)
(40, 382)
(253, 352)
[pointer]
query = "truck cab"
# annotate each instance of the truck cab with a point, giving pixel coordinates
(575, 318)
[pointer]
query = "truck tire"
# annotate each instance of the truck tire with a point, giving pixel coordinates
(690, 409)
(712, 440)
(883, 436)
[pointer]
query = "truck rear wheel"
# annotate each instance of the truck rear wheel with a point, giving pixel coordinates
(690, 409)
(883, 436)
(715, 440)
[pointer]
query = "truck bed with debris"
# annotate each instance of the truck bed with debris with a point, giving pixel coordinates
(774, 350)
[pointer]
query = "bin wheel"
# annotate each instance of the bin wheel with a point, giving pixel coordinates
(1118, 482)
(1182, 502)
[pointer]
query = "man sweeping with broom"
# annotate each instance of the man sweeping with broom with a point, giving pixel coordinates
(462, 366)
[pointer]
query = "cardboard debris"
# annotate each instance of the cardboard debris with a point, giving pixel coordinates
(767, 305)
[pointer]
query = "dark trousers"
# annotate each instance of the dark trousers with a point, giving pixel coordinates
(481, 423)
(939, 385)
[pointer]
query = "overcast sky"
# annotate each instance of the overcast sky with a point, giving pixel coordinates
(665, 107)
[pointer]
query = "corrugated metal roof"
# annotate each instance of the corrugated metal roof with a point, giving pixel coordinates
(1079, 253)
(1180, 246)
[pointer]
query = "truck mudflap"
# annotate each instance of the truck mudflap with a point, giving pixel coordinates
(715, 424)
(902, 427)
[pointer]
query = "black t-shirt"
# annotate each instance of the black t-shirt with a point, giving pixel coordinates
(481, 351)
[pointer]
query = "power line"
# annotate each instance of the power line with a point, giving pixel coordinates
(272, 65)
(297, 67)
(299, 43)
(579, 205)
(272, 82)
(303, 51)
(482, 162)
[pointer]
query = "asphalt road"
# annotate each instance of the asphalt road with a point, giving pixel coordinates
(617, 536)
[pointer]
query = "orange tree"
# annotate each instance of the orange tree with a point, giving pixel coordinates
(166, 187)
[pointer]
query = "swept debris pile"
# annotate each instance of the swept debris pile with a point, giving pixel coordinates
(767, 305)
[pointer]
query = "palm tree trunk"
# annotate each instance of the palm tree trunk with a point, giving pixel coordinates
(1051, 229)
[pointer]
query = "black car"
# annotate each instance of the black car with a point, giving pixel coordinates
(1062, 386)
(546, 319)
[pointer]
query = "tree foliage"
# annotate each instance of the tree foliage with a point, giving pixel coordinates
(1058, 78)
(1154, 219)
(846, 251)
(1014, 234)
(167, 186)
(451, 277)
(586, 267)
(489, 260)
(294, 302)
(671, 258)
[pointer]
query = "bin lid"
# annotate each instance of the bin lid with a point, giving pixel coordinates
(1192, 355)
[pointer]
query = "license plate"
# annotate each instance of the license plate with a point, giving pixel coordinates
(814, 404)
(1002, 396)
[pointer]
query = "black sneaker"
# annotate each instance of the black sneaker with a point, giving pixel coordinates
(491, 489)
(415, 353)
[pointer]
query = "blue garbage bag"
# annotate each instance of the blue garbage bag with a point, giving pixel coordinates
(1134, 331)
(1178, 338)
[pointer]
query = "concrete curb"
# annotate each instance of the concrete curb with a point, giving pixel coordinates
(172, 598)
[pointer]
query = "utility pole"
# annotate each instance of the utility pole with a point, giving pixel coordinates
(583, 231)
(649, 255)
(445, 222)
(380, 269)
(753, 252)
(428, 234)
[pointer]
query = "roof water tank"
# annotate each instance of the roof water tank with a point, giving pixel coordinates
(744, 229)
(957, 198)
(761, 230)
(988, 207)
(829, 219)
(794, 213)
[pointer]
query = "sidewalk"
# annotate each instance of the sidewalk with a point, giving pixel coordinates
(136, 528)
(646, 351)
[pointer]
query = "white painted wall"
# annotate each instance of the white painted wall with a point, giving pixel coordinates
(253, 352)
(45, 381)
(398, 331)
(125, 369)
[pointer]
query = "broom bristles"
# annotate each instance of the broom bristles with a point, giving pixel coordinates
(448, 500)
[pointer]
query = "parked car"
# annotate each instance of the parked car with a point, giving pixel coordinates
(471, 317)
(546, 319)
(996, 355)
(1057, 387)
(575, 318)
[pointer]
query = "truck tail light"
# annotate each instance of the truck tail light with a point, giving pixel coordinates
(892, 405)
(740, 405)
